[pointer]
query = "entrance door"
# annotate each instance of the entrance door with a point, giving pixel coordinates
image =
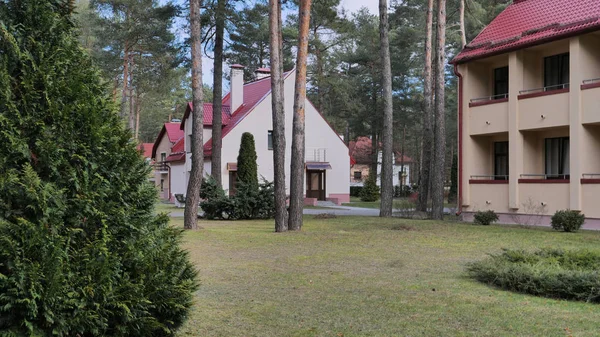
(315, 184)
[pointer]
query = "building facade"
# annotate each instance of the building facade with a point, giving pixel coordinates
(327, 157)
(529, 112)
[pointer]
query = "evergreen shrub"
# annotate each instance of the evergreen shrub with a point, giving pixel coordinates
(81, 251)
(485, 218)
(553, 273)
(567, 220)
(370, 191)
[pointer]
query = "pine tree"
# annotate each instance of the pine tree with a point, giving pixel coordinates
(278, 115)
(387, 165)
(247, 169)
(297, 170)
(81, 252)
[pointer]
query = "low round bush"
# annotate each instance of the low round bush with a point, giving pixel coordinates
(485, 218)
(553, 273)
(567, 220)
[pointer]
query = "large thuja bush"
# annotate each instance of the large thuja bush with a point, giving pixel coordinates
(81, 253)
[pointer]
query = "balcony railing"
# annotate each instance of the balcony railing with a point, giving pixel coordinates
(316, 155)
(544, 89)
(488, 98)
(546, 176)
(592, 80)
(489, 177)
(590, 176)
(161, 166)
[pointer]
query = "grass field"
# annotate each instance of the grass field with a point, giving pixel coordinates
(396, 204)
(353, 276)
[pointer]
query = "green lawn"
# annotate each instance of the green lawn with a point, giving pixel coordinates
(166, 208)
(354, 276)
(397, 203)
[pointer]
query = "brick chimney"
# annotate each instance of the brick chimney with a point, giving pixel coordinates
(237, 86)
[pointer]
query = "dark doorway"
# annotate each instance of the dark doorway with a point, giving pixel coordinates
(315, 184)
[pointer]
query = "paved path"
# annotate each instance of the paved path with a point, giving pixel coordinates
(337, 210)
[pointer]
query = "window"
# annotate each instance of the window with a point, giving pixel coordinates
(500, 83)
(270, 139)
(162, 185)
(163, 157)
(501, 160)
(357, 175)
(556, 72)
(557, 158)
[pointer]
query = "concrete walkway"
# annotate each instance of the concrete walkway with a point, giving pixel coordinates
(337, 210)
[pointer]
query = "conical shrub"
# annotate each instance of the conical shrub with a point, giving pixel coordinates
(81, 252)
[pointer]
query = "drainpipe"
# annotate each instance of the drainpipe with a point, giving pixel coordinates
(460, 137)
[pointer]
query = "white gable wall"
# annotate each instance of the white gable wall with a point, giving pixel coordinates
(318, 135)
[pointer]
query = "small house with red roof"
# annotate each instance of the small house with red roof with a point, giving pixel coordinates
(529, 113)
(361, 150)
(168, 136)
(247, 108)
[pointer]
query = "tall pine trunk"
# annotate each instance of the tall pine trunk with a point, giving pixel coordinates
(298, 136)
(138, 108)
(278, 115)
(425, 178)
(387, 158)
(131, 107)
(439, 155)
(463, 33)
(193, 189)
(217, 123)
(125, 81)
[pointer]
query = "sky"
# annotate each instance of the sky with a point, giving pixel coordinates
(351, 6)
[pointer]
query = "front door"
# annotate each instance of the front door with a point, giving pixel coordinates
(315, 184)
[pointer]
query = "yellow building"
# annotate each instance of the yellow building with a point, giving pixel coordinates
(529, 113)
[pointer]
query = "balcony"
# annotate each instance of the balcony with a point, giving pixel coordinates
(551, 195)
(544, 179)
(590, 101)
(488, 179)
(488, 115)
(590, 190)
(161, 166)
(545, 107)
(316, 155)
(492, 196)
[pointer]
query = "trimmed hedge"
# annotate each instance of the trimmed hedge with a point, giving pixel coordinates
(553, 273)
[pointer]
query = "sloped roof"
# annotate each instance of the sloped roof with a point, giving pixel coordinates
(146, 149)
(525, 23)
(361, 152)
(207, 117)
(172, 130)
(177, 151)
(254, 93)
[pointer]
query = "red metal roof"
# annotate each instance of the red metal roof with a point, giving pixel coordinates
(254, 93)
(177, 151)
(172, 130)
(207, 116)
(525, 23)
(146, 149)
